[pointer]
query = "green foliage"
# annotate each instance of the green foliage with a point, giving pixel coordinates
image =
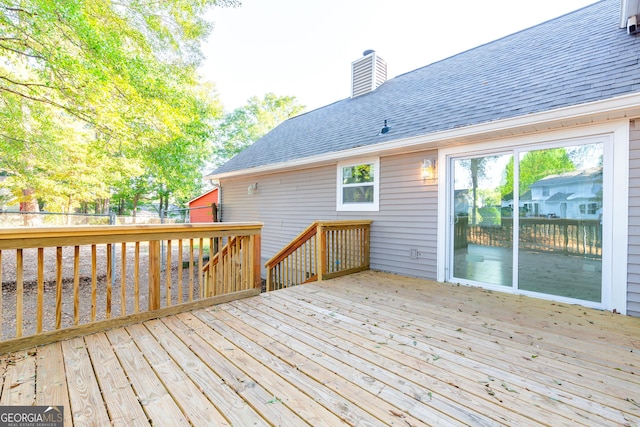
(536, 165)
(95, 94)
(246, 124)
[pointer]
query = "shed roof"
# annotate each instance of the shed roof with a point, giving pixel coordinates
(577, 58)
(203, 195)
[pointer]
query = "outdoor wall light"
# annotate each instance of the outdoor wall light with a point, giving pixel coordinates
(428, 168)
(252, 188)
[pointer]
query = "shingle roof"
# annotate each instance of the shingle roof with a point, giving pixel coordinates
(579, 57)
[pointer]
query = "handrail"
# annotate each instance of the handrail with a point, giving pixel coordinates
(294, 244)
(94, 275)
(222, 274)
(323, 250)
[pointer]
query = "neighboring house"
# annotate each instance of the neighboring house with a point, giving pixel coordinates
(569, 195)
(401, 151)
(201, 208)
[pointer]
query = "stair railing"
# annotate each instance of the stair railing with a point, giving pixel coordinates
(324, 250)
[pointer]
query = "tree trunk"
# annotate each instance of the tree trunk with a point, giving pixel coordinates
(30, 204)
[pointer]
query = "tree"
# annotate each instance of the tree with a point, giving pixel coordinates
(246, 124)
(534, 166)
(115, 80)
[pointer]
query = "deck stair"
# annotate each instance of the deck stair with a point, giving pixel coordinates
(324, 250)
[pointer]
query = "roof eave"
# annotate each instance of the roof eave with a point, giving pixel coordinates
(626, 106)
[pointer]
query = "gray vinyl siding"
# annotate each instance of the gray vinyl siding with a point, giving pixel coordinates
(407, 219)
(633, 261)
(286, 203)
(289, 202)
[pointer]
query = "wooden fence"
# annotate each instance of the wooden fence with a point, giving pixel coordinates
(59, 282)
(568, 236)
(326, 249)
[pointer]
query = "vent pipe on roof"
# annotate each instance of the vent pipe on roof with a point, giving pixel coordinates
(367, 73)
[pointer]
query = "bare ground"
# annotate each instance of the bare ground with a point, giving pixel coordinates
(9, 274)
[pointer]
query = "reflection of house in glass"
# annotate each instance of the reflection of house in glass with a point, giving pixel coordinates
(576, 194)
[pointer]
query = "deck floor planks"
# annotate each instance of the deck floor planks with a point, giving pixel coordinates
(318, 388)
(408, 398)
(120, 399)
(583, 330)
(152, 394)
(399, 351)
(347, 346)
(51, 382)
(586, 403)
(569, 370)
(215, 388)
(19, 379)
(583, 407)
(590, 346)
(220, 355)
(247, 357)
(85, 397)
(3, 369)
(196, 407)
(448, 396)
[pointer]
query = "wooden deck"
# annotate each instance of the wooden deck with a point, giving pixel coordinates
(368, 349)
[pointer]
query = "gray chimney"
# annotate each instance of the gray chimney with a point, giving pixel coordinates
(367, 73)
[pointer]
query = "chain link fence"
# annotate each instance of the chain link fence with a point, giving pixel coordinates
(47, 219)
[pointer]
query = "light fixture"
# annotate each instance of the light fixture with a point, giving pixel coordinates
(252, 188)
(428, 168)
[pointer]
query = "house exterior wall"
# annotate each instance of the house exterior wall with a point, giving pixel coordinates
(633, 260)
(289, 202)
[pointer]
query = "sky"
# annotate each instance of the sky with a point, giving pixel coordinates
(304, 48)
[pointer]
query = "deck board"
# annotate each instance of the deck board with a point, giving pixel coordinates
(368, 349)
(152, 393)
(119, 397)
(19, 379)
(164, 362)
(85, 397)
(53, 391)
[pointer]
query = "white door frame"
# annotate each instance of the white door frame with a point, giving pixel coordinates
(615, 221)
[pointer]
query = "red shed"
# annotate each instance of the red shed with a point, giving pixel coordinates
(201, 209)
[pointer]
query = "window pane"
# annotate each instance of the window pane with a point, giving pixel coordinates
(357, 194)
(483, 223)
(560, 239)
(357, 174)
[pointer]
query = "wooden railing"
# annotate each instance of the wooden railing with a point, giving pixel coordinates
(232, 266)
(326, 249)
(568, 236)
(59, 282)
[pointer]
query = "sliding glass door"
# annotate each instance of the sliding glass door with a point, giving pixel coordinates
(529, 219)
(483, 240)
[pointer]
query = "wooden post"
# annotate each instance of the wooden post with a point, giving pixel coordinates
(321, 252)
(214, 215)
(257, 277)
(367, 247)
(154, 275)
(19, 292)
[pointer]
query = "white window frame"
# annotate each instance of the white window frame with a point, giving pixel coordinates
(359, 207)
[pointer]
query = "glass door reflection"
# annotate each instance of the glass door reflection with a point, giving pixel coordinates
(560, 230)
(482, 220)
